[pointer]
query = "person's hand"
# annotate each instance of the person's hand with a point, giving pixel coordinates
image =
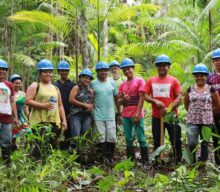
(159, 104)
(126, 97)
(137, 119)
(64, 125)
(15, 121)
(89, 106)
(49, 106)
(119, 119)
(162, 111)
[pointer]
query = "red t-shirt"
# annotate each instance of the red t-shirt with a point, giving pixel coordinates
(162, 89)
(6, 91)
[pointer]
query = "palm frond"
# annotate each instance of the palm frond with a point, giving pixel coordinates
(24, 59)
(52, 44)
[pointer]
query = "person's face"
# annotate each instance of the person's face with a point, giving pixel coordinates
(102, 74)
(200, 78)
(3, 72)
(128, 72)
(162, 69)
(114, 70)
(216, 63)
(17, 84)
(63, 74)
(46, 75)
(85, 80)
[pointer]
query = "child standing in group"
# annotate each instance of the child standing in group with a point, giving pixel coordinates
(199, 101)
(129, 95)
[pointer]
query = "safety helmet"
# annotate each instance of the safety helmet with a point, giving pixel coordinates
(101, 65)
(216, 53)
(63, 65)
(15, 77)
(127, 63)
(45, 64)
(3, 64)
(163, 59)
(200, 68)
(86, 72)
(114, 63)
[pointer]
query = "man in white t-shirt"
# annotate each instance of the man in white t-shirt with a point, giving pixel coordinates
(7, 108)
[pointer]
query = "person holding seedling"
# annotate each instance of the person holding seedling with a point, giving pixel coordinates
(81, 99)
(105, 96)
(65, 85)
(46, 106)
(8, 113)
(199, 101)
(22, 111)
(164, 93)
(214, 81)
(129, 95)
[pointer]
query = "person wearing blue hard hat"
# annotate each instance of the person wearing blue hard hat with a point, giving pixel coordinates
(22, 111)
(214, 80)
(163, 92)
(81, 99)
(65, 85)
(199, 101)
(129, 94)
(45, 101)
(105, 96)
(8, 112)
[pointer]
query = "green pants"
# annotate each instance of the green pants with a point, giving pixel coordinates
(129, 127)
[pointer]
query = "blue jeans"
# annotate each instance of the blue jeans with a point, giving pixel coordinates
(79, 124)
(193, 132)
(5, 134)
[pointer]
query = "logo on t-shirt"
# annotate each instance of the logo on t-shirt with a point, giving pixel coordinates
(3, 95)
(161, 90)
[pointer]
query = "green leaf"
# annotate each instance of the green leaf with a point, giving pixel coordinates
(188, 156)
(106, 183)
(124, 165)
(206, 133)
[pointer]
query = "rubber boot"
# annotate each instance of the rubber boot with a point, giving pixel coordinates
(110, 151)
(204, 151)
(101, 151)
(130, 152)
(144, 155)
(6, 155)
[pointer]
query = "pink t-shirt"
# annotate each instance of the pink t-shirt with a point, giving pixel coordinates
(162, 89)
(131, 88)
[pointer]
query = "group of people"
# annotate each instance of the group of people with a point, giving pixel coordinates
(107, 100)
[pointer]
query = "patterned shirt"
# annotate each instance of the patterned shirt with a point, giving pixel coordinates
(200, 106)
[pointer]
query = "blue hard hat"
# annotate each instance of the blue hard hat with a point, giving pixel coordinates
(127, 63)
(3, 64)
(163, 59)
(86, 72)
(63, 65)
(114, 63)
(216, 53)
(200, 68)
(15, 77)
(101, 65)
(45, 64)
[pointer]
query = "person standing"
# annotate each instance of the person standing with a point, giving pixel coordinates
(214, 81)
(105, 95)
(129, 95)
(46, 106)
(199, 101)
(81, 99)
(163, 91)
(8, 113)
(65, 85)
(22, 110)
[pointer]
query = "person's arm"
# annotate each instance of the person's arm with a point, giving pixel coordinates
(118, 107)
(30, 95)
(176, 101)
(26, 110)
(62, 112)
(215, 102)
(14, 109)
(140, 105)
(74, 101)
(186, 100)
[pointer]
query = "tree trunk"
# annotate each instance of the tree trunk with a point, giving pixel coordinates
(105, 30)
(84, 35)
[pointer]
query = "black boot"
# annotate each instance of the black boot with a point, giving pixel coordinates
(144, 155)
(6, 155)
(101, 151)
(204, 151)
(110, 151)
(130, 152)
